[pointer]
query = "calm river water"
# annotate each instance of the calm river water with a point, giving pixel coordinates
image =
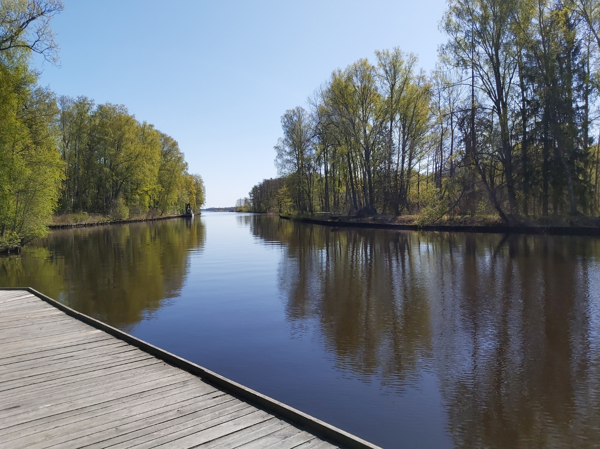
(405, 339)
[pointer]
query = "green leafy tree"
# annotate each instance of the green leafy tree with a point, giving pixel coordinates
(200, 198)
(295, 154)
(30, 166)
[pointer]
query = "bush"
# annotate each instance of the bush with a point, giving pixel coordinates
(137, 211)
(119, 210)
(10, 240)
(284, 201)
(433, 207)
(152, 213)
(80, 217)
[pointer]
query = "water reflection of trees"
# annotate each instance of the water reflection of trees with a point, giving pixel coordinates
(362, 288)
(510, 326)
(516, 341)
(118, 274)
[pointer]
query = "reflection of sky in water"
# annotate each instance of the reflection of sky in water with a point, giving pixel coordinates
(405, 339)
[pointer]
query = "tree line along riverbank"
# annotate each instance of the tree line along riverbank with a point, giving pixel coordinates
(504, 127)
(94, 220)
(581, 226)
(70, 159)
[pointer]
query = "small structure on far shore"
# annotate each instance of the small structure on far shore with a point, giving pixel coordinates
(188, 210)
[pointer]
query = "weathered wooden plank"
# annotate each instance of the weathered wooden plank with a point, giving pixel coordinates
(47, 421)
(72, 416)
(81, 383)
(116, 422)
(15, 314)
(241, 424)
(153, 420)
(236, 439)
(49, 364)
(30, 316)
(275, 437)
(45, 378)
(96, 419)
(16, 291)
(53, 353)
(70, 368)
(8, 291)
(53, 343)
(87, 374)
(28, 300)
(40, 333)
(26, 304)
(194, 417)
(16, 295)
(297, 440)
(65, 383)
(10, 299)
(16, 404)
(28, 321)
(39, 337)
(38, 315)
(318, 444)
(180, 435)
(62, 407)
(42, 338)
(8, 331)
(16, 310)
(62, 361)
(7, 294)
(60, 341)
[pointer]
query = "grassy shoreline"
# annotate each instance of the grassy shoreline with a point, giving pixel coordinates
(99, 220)
(583, 226)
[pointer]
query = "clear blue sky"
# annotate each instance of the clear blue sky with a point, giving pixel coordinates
(217, 75)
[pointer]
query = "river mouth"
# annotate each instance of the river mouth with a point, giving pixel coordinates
(402, 338)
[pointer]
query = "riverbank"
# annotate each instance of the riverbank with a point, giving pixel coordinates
(12, 245)
(584, 226)
(108, 221)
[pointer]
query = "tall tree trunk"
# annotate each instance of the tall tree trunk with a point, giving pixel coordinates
(326, 193)
(451, 144)
(371, 193)
(545, 163)
(596, 189)
(352, 186)
(524, 141)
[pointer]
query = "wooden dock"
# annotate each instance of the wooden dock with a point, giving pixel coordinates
(69, 381)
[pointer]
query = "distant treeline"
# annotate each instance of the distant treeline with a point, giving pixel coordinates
(220, 209)
(115, 165)
(268, 196)
(69, 155)
(505, 125)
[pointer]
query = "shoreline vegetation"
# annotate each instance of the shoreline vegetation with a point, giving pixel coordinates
(72, 221)
(580, 226)
(506, 126)
(67, 161)
(221, 209)
(62, 222)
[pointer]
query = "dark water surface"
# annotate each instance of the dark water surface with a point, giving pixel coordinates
(405, 339)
